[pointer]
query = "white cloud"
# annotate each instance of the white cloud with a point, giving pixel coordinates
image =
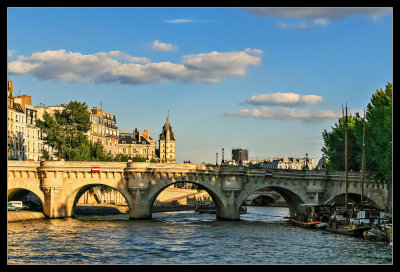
(284, 99)
(123, 56)
(311, 99)
(180, 21)
(211, 67)
(115, 66)
(283, 26)
(253, 51)
(327, 13)
(302, 26)
(286, 114)
(159, 46)
(321, 21)
(10, 53)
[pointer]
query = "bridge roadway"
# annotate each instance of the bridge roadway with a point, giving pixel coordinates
(60, 184)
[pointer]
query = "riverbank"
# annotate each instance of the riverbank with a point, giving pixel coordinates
(15, 216)
(103, 209)
(120, 209)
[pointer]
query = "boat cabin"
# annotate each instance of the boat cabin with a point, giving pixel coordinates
(310, 212)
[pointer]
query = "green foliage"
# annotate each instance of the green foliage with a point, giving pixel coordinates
(105, 188)
(46, 155)
(379, 135)
(125, 158)
(334, 144)
(97, 152)
(138, 159)
(378, 139)
(65, 131)
(121, 158)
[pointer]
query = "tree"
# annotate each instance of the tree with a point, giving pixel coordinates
(65, 131)
(378, 139)
(334, 144)
(379, 135)
(97, 152)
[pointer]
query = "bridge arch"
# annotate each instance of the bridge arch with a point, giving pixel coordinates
(75, 194)
(260, 200)
(20, 187)
(292, 199)
(154, 192)
(21, 193)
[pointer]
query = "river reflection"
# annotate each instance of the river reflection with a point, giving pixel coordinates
(262, 236)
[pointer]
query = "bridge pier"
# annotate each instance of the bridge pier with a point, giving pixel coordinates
(229, 211)
(138, 208)
(52, 208)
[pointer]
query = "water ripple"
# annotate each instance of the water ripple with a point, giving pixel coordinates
(261, 237)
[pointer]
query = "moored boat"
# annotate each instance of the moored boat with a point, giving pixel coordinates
(307, 225)
(311, 216)
(207, 208)
(351, 230)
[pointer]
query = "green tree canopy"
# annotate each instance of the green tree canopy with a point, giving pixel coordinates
(334, 144)
(378, 139)
(379, 135)
(65, 131)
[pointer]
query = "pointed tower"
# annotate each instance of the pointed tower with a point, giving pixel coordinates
(167, 144)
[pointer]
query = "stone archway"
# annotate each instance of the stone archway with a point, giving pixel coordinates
(149, 197)
(23, 193)
(292, 199)
(72, 199)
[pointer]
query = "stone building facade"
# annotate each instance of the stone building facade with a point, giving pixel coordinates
(166, 150)
(33, 139)
(137, 144)
(10, 119)
(104, 130)
(288, 163)
(16, 125)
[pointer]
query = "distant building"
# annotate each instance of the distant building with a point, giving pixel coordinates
(34, 141)
(103, 130)
(10, 120)
(16, 125)
(137, 144)
(240, 155)
(289, 163)
(19, 130)
(166, 149)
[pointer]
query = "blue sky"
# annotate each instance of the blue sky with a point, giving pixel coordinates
(267, 79)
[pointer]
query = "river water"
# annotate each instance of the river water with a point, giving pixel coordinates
(262, 236)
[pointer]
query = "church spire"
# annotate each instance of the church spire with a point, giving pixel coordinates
(167, 143)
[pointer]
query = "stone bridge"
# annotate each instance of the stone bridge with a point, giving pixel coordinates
(60, 184)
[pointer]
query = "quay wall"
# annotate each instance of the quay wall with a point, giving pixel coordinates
(15, 216)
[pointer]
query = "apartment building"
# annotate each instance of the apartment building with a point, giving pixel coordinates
(137, 144)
